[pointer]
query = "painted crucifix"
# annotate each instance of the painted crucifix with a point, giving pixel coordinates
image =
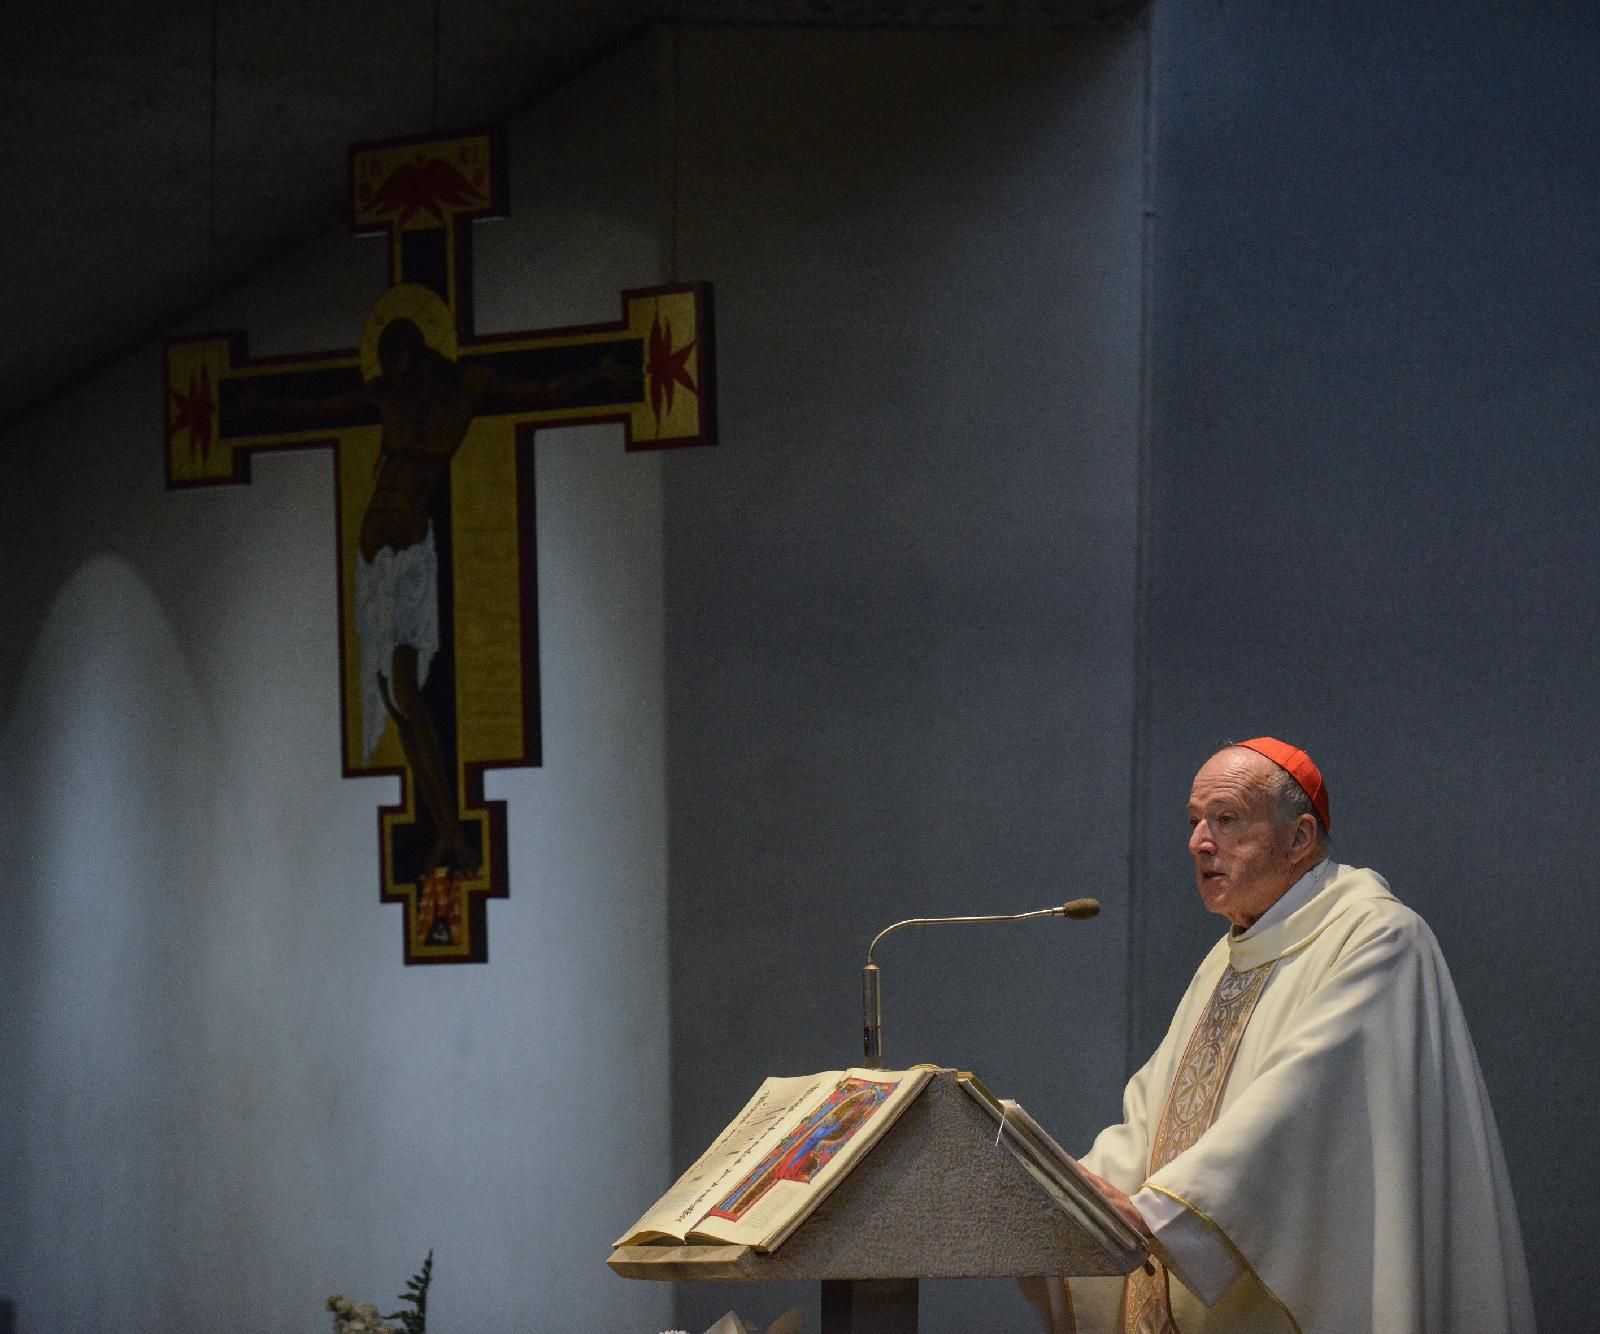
(432, 429)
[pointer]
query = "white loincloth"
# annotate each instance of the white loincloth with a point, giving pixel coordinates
(397, 602)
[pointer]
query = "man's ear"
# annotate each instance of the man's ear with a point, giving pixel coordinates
(1304, 836)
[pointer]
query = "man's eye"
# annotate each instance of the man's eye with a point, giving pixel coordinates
(1224, 819)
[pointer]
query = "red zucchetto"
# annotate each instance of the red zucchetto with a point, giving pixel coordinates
(1300, 768)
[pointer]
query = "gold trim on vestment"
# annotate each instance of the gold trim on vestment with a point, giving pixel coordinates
(1192, 1105)
(1072, 1312)
(1227, 1241)
(1196, 1093)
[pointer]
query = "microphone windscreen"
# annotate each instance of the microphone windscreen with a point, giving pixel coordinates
(1081, 909)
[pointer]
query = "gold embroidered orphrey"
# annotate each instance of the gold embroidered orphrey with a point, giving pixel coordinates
(1192, 1106)
(432, 426)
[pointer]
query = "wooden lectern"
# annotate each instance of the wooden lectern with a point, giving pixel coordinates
(936, 1197)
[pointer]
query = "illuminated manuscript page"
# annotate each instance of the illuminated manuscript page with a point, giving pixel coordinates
(748, 1174)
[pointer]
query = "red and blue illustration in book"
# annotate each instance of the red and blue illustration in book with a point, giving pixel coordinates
(802, 1154)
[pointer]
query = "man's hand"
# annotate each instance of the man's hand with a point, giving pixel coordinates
(1120, 1201)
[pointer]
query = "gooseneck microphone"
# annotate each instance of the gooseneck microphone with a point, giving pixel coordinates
(871, 989)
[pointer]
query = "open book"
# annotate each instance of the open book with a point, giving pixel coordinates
(1054, 1169)
(777, 1160)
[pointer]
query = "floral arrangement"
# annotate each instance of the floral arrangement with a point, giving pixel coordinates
(362, 1317)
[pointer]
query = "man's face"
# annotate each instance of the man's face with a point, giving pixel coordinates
(398, 346)
(1242, 856)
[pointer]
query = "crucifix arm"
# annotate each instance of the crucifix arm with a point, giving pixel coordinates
(311, 410)
(558, 389)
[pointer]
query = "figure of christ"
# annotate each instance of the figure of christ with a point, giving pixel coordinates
(807, 1149)
(425, 403)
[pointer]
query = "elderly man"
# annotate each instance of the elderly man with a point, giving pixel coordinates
(1311, 1148)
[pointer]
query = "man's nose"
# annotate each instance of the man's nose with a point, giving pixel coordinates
(1200, 839)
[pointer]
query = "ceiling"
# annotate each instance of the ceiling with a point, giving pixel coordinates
(156, 154)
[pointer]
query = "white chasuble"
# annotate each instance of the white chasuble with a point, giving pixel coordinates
(1352, 1165)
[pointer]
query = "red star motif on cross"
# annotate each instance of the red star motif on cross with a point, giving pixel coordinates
(192, 412)
(666, 367)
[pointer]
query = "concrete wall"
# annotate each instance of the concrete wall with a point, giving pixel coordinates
(901, 595)
(1373, 307)
(226, 1096)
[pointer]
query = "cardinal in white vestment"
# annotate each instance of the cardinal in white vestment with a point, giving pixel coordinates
(1311, 1147)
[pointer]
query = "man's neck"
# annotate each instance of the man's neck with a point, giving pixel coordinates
(1300, 888)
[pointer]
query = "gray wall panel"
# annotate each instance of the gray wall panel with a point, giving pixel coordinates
(1374, 511)
(901, 592)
